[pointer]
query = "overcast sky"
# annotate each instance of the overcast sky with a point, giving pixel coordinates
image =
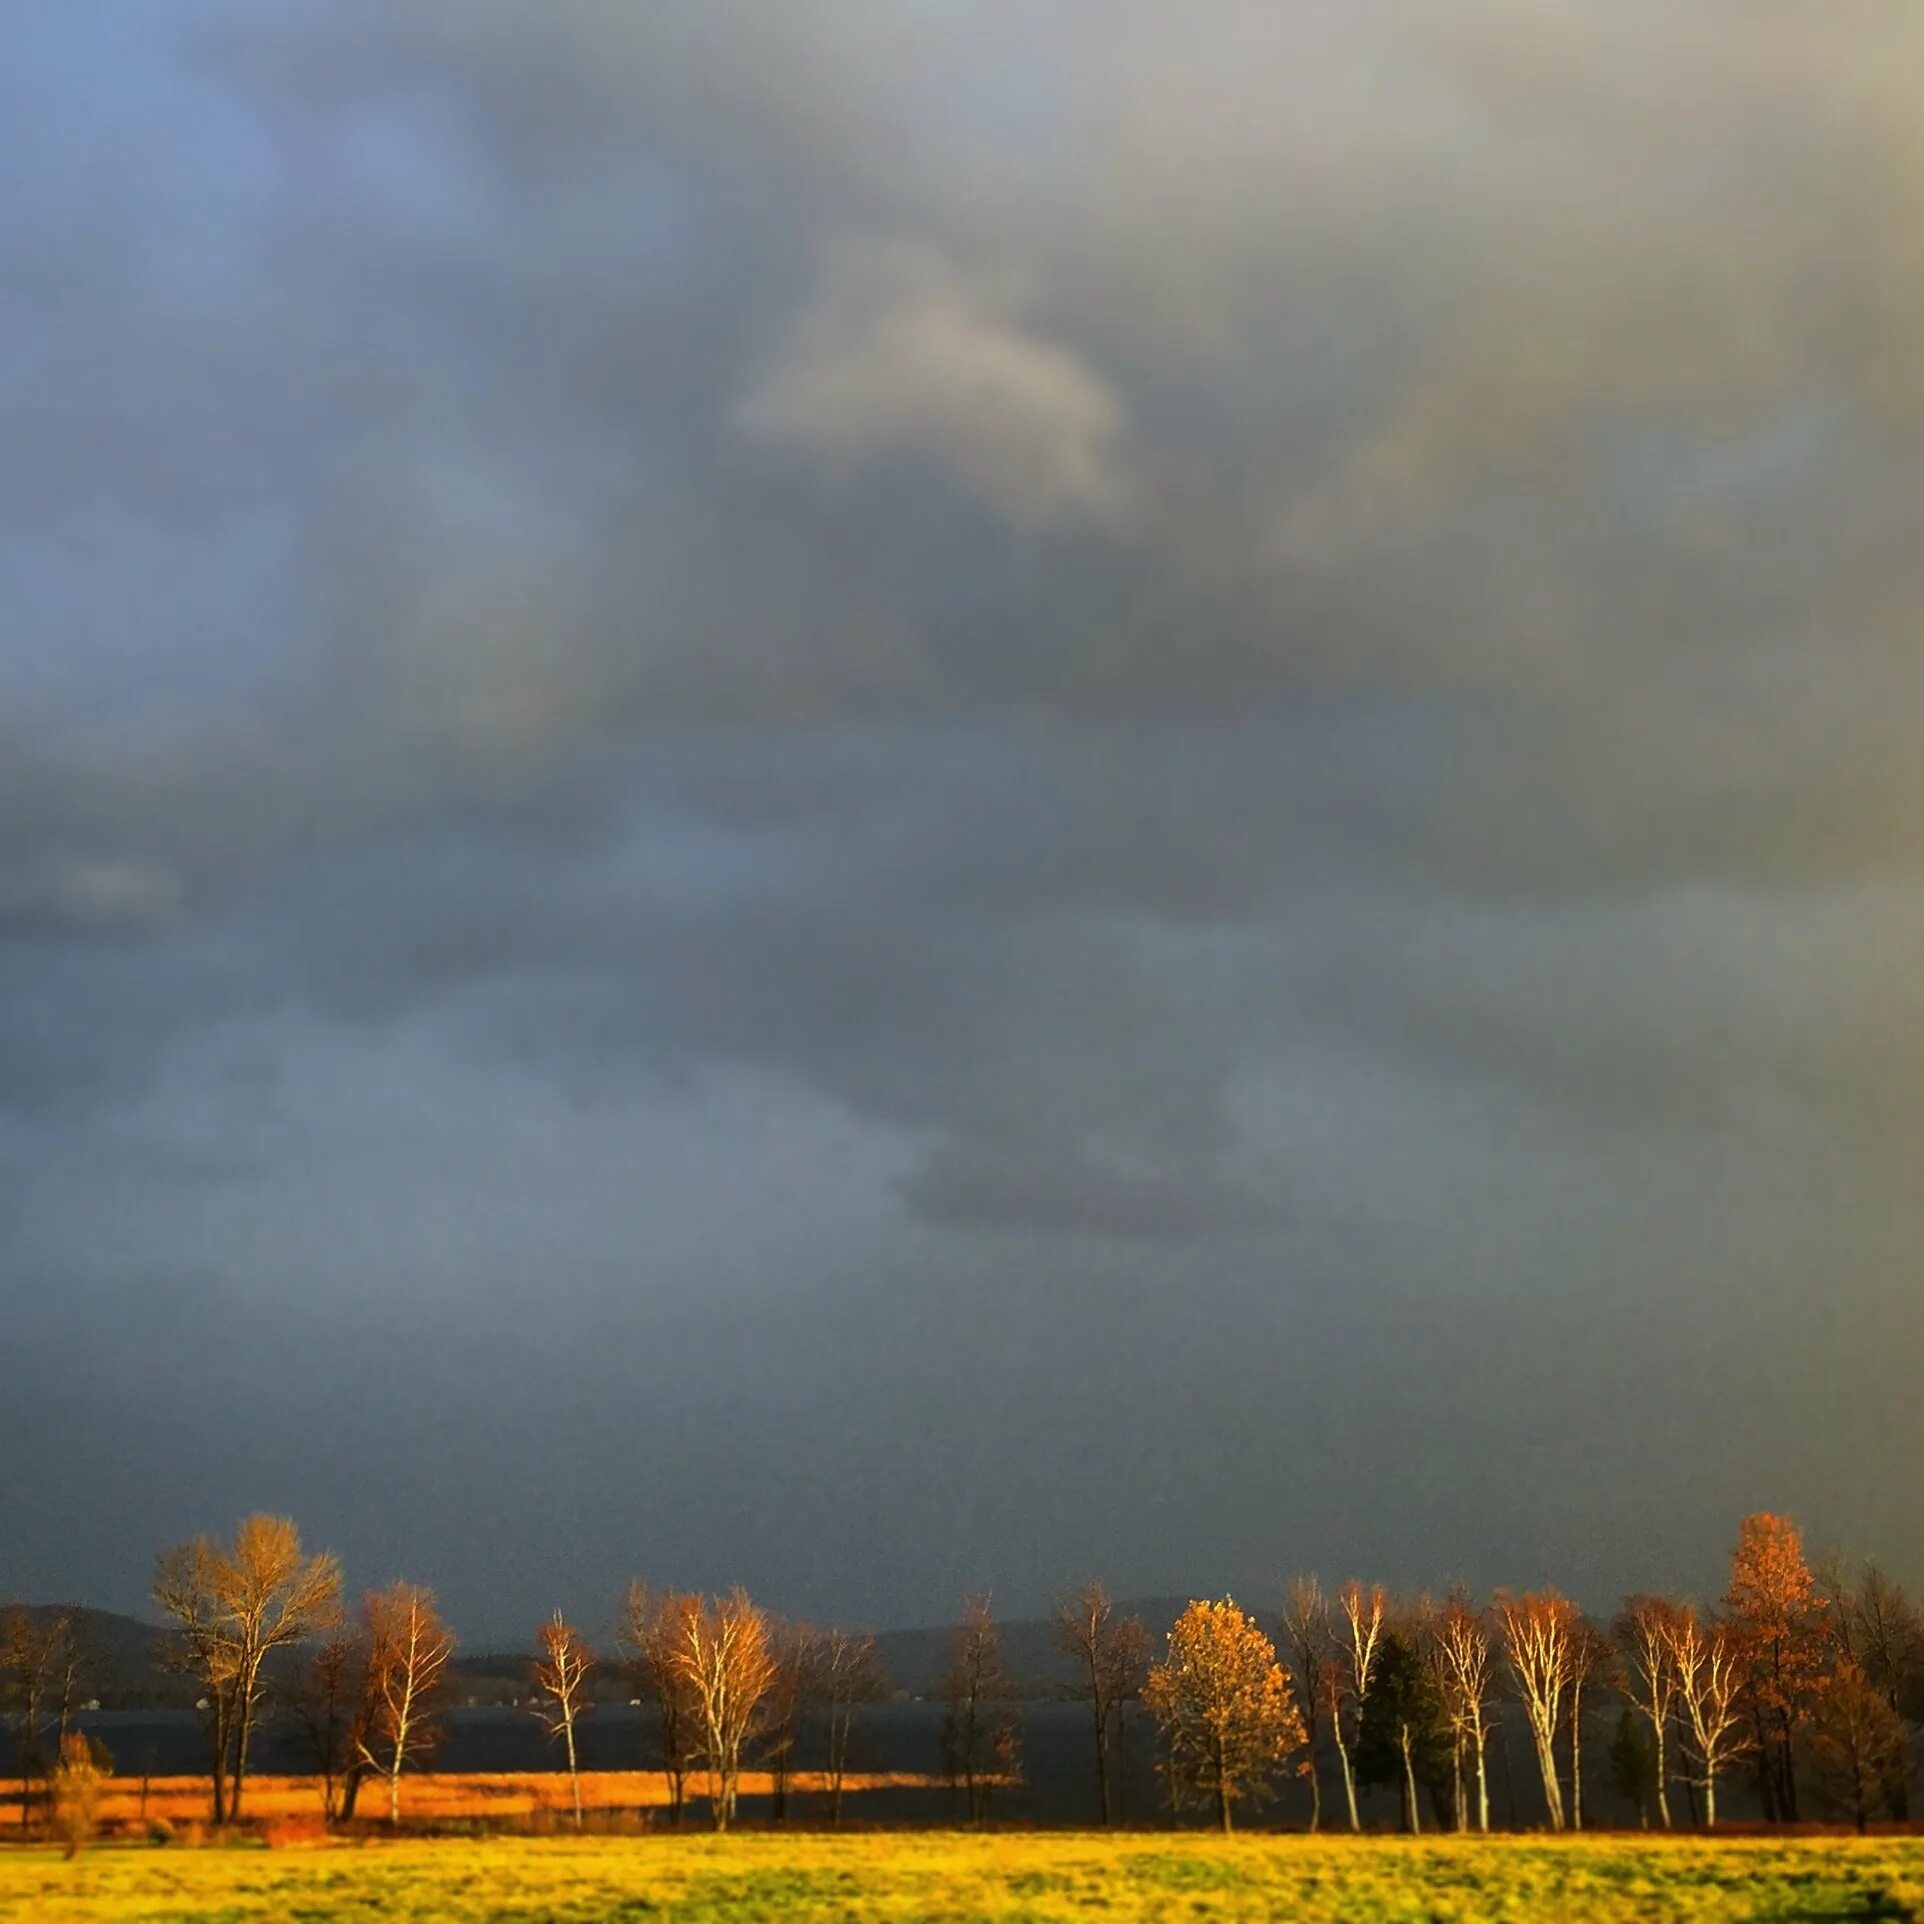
(871, 797)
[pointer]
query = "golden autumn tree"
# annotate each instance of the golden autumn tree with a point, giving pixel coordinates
(234, 1606)
(1780, 1618)
(1228, 1715)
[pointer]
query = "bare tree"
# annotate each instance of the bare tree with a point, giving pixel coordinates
(848, 1677)
(1309, 1643)
(1113, 1657)
(187, 1588)
(796, 1648)
(653, 1630)
(1460, 1642)
(561, 1676)
(1539, 1633)
(33, 1660)
(408, 1648)
(981, 1739)
(726, 1660)
(1364, 1622)
(1590, 1664)
(1709, 1667)
(235, 1605)
(1644, 1635)
(1877, 1627)
(327, 1703)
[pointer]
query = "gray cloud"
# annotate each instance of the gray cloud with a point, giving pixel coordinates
(847, 691)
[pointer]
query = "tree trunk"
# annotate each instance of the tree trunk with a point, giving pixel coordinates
(1547, 1764)
(1710, 1800)
(1222, 1804)
(1482, 1782)
(1663, 1775)
(1576, 1757)
(1412, 1818)
(1349, 1777)
(574, 1774)
(244, 1730)
(220, 1759)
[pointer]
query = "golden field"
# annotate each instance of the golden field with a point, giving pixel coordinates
(439, 1797)
(890, 1878)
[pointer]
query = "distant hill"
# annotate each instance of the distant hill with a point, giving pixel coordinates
(124, 1660)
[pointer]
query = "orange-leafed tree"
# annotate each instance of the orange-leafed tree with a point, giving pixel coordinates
(1708, 1663)
(1782, 1622)
(560, 1674)
(1228, 1715)
(1539, 1632)
(727, 1660)
(408, 1651)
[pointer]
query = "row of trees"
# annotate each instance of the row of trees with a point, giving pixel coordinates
(1802, 1679)
(369, 1688)
(43, 1669)
(1796, 1675)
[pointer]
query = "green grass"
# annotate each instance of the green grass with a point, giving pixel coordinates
(894, 1878)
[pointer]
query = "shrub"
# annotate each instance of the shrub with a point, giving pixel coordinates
(74, 1791)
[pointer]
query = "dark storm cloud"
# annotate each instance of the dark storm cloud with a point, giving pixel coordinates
(843, 688)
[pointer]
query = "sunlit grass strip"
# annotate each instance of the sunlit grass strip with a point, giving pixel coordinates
(894, 1877)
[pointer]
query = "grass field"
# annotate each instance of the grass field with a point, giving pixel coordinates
(899, 1877)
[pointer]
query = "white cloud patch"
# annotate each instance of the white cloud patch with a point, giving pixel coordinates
(900, 358)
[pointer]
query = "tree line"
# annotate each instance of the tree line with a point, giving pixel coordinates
(1803, 1680)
